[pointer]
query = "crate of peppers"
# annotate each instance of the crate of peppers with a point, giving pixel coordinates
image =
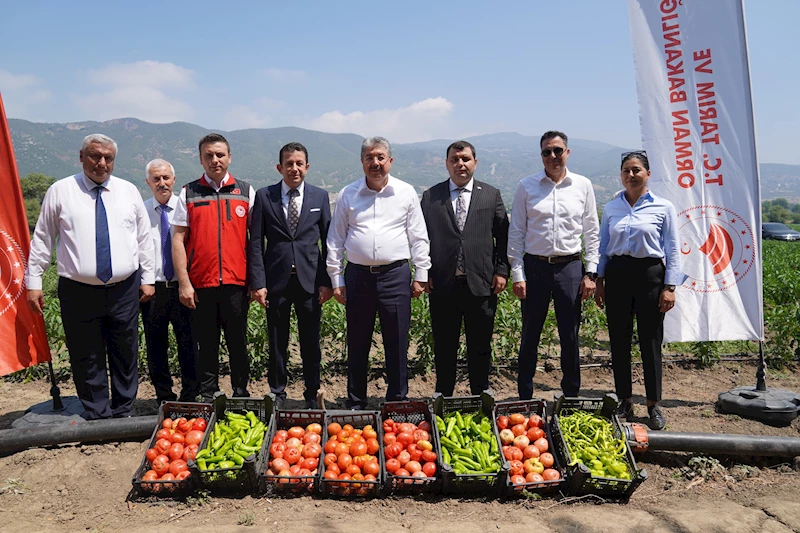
(589, 440)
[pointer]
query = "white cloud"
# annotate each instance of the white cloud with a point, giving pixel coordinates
(423, 120)
(285, 75)
(259, 114)
(144, 90)
(21, 92)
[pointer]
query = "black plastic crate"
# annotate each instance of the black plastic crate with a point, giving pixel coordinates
(287, 485)
(240, 479)
(349, 488)
(413, 412)
(171, 488)
(528, 408)
(580, 479)
(469, 484)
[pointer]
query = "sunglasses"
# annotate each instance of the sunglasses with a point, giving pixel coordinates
(557, 151)
(625, 155)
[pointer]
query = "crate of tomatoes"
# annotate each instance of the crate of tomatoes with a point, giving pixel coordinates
(411, 449)
(228, 460)
(353, 463)
(526, 443)
(590, 442)
(176, 439)
(294, 453)
(472, 464)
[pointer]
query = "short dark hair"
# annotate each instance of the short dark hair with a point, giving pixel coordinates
(641, 155)
(292, 147)
(212, 138)
(552, 134)
(458, 146)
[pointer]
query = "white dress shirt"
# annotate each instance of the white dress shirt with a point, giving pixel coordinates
(377, 228)
(68, 216)
(181, 215)
(154, 212)
(548, 219)
(285, 198)
(467, 195)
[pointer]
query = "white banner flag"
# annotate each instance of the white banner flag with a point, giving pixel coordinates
(696, 114)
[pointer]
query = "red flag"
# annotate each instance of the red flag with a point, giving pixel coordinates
(23, 340)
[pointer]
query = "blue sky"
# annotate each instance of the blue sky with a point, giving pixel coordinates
(410, 71)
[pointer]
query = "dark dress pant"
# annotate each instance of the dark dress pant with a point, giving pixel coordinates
(219, 309)
(309, 312)
(477, 312)
(388, 294)
(101, 324)
(163, 309)
(633, 287)
(561, 282)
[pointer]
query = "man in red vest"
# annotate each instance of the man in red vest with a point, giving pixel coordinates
(209, 251)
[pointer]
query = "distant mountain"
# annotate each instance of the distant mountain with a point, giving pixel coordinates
(504, 158)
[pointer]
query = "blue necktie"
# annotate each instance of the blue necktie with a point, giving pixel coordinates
(102, 240)
(166, 246)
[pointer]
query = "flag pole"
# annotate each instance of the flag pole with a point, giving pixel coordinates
(58, 405)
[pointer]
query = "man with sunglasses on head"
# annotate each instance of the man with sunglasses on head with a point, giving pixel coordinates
(552, 210)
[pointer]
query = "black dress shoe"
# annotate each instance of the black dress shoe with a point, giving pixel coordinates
(625, 409)
(657, 420)
(280, 402)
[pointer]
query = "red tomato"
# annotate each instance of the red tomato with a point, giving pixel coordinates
(177, 438)
(330, 458)
(304, 472)
(162, 446)
(402, 472)
(512, 453)
(312, 450)
(151, 454)
(183, 474)
(294, 442)
(292, 455)
(425, 426)
(405, 438)
(388, 425)
(429, 456)
(167, 423)
(177, 466)
(535, 433)
(518, 430)
(168, 477)
(353, 470)
(334, 428)
(199, 424)
(276, 449)
(330, 446)
(502, 422)
(334, 468)
(517, 479)
(311, 437)
(406, 427)
(189, 452)
(372, 468)
(280, 464)
(184, 426)
(392, 465)
(358, 448)
(369, 433)
(160, 464)
(329, 475)
(342, 448)
(541, 444)
(389, 438)
(546, 459)
(415, 452)
(280, 436)
(429, 468)
(314, 428)
(163, 434)
(393, 450)
(421, 435)
(348, 427)
(344, 461)
(516, 468)
(530, 451)
(533, 477)
(310, 463)
(516, 419)
(294, 469)
(175, 451)
(413, 466)
(296, 432)
(404, 457)
(535, 421)
(550, 474)
(373, 446)
(195, 436)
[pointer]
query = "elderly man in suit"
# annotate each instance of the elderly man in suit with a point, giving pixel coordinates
(468, 229)
(293, 217)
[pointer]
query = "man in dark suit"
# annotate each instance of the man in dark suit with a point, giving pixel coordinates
(293, 217)
(468, 229)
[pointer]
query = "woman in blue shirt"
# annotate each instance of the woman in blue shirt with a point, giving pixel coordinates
(637, 275)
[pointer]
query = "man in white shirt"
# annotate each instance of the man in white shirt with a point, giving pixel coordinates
(165, 308)
(552, 210)
(105, 265)
(378, 225)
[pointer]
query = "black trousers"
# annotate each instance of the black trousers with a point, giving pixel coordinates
(163, 309)
(309, 312)
(561, 282)
(222, 308)
(633, 286)
(102, 322)
(388, 294)
(477, 313)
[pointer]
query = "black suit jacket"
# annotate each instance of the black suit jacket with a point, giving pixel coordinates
(271, 267)
(485, 237)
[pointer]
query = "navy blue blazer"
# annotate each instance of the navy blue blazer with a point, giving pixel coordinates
(273, 250)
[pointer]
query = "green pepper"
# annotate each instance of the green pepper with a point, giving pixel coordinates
(226, 464)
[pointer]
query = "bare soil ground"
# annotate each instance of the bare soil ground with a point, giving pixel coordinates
(84, 487)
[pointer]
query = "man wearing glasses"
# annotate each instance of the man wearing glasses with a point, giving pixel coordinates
(378, 225)
(552, 210)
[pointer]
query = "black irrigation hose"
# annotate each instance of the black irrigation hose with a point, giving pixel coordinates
(720, 444)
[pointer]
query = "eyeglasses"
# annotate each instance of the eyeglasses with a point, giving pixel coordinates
(626, 155)
(557, 151)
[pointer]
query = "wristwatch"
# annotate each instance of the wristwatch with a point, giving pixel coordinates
(592, 275)
(670, 288)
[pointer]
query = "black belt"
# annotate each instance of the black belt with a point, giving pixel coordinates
(380, 269)
(553, 259)
(167, 284)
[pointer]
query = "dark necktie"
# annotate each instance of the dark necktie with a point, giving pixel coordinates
(294, 211)
(102, 240)
(166, 246)
(461, 219)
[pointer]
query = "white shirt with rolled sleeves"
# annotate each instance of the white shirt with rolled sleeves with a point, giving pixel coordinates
(181, 215)
(549, 219)
(154, 212)
(68, 217)
(377, 228)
